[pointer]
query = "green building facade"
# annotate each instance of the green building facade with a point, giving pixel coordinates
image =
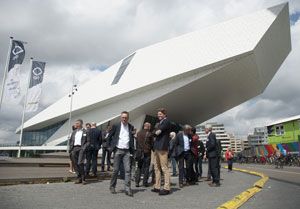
(284, 131)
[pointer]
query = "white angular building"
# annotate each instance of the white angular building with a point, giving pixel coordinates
(195, 76)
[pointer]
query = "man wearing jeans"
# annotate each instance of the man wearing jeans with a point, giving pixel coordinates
(121, 140)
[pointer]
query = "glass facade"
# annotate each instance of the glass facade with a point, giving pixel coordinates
(39, 137)
(122, 68)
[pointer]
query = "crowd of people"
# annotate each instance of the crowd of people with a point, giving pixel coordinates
(146, 152)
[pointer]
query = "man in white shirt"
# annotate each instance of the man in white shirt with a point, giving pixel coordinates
(121, 141)
(185, 156)
(79, 141)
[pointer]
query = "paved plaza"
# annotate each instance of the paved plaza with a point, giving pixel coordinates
(281, 191)
(96, 195)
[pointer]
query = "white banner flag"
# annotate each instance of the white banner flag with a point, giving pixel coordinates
(16, 58)
(35, 86)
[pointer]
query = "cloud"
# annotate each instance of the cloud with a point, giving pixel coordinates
(84, 37)
(281, 99)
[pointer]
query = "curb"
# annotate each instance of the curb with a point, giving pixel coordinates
(47, 180)
(243, 197)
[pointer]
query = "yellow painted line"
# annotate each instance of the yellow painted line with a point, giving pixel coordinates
(243, 197)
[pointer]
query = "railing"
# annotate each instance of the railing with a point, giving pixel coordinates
(8, 145)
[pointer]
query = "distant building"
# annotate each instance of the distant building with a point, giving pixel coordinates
(284, 131)
(220, 132)
(245, 144)
(259, 137)
(238, 144)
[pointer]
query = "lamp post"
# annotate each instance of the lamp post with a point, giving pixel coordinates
(71, 94)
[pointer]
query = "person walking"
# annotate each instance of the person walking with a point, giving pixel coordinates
(212, 155)
(144, 145)
(121, 140)
(93, 149)
(229, 158)
(79, 142)
(161, 147)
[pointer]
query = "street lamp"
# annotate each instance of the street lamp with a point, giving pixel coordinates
(71, 94)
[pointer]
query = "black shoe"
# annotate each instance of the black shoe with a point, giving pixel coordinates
(112, 190)
(155, 190)
(164, 192)
(215, 185)
(192, 183)
(146, 185)
(78, 181)
(137, 185)
(129, 193)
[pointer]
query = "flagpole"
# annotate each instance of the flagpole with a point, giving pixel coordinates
(5, 70)
(24, 107)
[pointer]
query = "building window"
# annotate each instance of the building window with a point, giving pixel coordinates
(279, 130)
(39, 137)
(122, 68)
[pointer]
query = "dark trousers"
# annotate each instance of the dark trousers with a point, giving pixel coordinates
(219, 168)
(106, 154)
(123, 156)
(143, 168)
(208, 171)
(174, 165)
(187, 158)
(200, 170)
(230, 163)
(213, 163)
(78, 160)
(91, 158)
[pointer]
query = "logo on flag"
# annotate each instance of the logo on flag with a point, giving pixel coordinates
(17, 55)
(35, 86)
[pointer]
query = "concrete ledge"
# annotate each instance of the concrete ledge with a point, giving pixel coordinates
(243, 197)
(46, 180)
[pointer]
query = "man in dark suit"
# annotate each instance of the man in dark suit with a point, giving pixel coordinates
(184, 156)
(106, 152)
(212, 155)
(121, 141)
(79, 141)
(161, 147)
(92, 151)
